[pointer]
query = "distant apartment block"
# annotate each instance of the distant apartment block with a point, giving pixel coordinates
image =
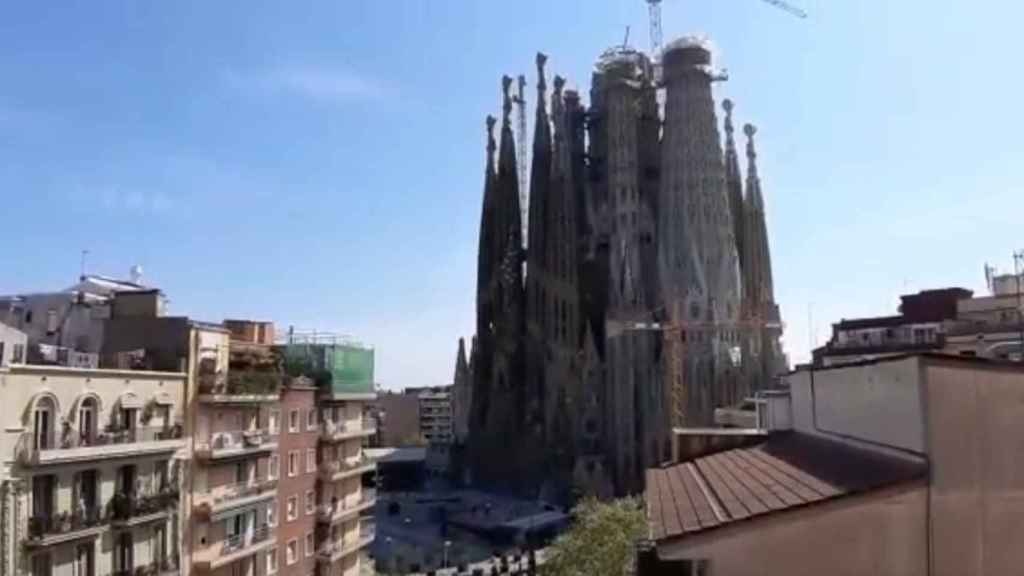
(435, 405)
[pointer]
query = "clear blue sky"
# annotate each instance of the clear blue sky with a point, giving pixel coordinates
(320, 164)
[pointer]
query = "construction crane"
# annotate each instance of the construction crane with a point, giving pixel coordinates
(654, 10)
(520, 101)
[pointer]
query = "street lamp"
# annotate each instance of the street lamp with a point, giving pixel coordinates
(447, 545)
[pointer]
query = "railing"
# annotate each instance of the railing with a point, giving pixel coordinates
(339, 507)
(70, 439)
(227, 492)
(331, 550)
(239, 439)
(124, 507)
(158, 568)
(41, 526)
(237, 542)
(331, 429)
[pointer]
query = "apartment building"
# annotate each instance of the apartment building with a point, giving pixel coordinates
(436, 415)
(297, 490)
(344, 373)
(90, 482)
(235, 503)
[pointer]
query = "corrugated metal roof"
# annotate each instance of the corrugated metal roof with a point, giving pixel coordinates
(788, 471)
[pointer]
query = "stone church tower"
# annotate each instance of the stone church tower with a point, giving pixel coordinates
(647, 296)
(696, 237)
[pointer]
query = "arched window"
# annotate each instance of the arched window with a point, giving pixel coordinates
(43, 423)
(88, 415)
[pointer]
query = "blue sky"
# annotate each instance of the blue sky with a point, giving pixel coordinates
(320, 164)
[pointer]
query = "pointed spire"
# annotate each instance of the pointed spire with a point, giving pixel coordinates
(753, 181)
(733, 182)
(461, 364)
(506, 102)
(491, 144)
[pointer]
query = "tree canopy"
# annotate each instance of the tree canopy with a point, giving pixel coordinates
(601, 542)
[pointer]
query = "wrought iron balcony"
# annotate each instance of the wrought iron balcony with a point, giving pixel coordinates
(75, 446)
(46, 530)
(132, 510)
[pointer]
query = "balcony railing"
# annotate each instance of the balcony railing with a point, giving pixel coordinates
(124, 508)
(42, 528)
(333, 551)
(337, 469)
(340, 509)
(341, 430)
(236, 441)
(218, 496)
(237, 542)
(165, 567)
(113, 442)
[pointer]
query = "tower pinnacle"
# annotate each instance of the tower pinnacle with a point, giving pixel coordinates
(491, 144)
(506, 107)
(542, 59)
(750, 130)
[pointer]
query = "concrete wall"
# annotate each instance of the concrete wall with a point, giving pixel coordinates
(877, 403)
(880, 534)
(400, 419)
(976, 450)
(12, 341)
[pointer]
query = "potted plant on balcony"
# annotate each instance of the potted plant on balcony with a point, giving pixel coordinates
(36, 527)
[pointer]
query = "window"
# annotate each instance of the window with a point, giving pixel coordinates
(51, 321)
(310, 502)
(293, 509)
(272, 561)
(19, 354)
(293, 463)
(274, 422)
(310, 460)
(310, 547)
(311, 419)
(293, 421)
(274, 466)
(272, 515)
(292, 552)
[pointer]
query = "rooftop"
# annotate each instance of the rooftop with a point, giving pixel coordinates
(788, 471)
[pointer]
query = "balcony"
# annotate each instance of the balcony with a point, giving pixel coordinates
(46, 531)
(339, 470)
(166, 567)
(72, 447)
(334, 551)
(240, 387)
(342, 510)
(232, 548)
(236, 444)
(221, 499)
(337, 431)
(126, 511)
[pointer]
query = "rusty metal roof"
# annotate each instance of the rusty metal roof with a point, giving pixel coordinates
(789, 470)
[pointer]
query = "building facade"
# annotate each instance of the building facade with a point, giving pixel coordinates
(647, 300)
(435, 408)
(897, 465)
(91, 478)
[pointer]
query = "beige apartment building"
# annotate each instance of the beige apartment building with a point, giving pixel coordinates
(90, 471)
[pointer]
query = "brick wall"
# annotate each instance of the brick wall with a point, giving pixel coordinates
(301, 442)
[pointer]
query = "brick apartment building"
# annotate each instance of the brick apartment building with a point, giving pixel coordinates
(296, 544)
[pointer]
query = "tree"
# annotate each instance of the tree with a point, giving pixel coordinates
(602, 540)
